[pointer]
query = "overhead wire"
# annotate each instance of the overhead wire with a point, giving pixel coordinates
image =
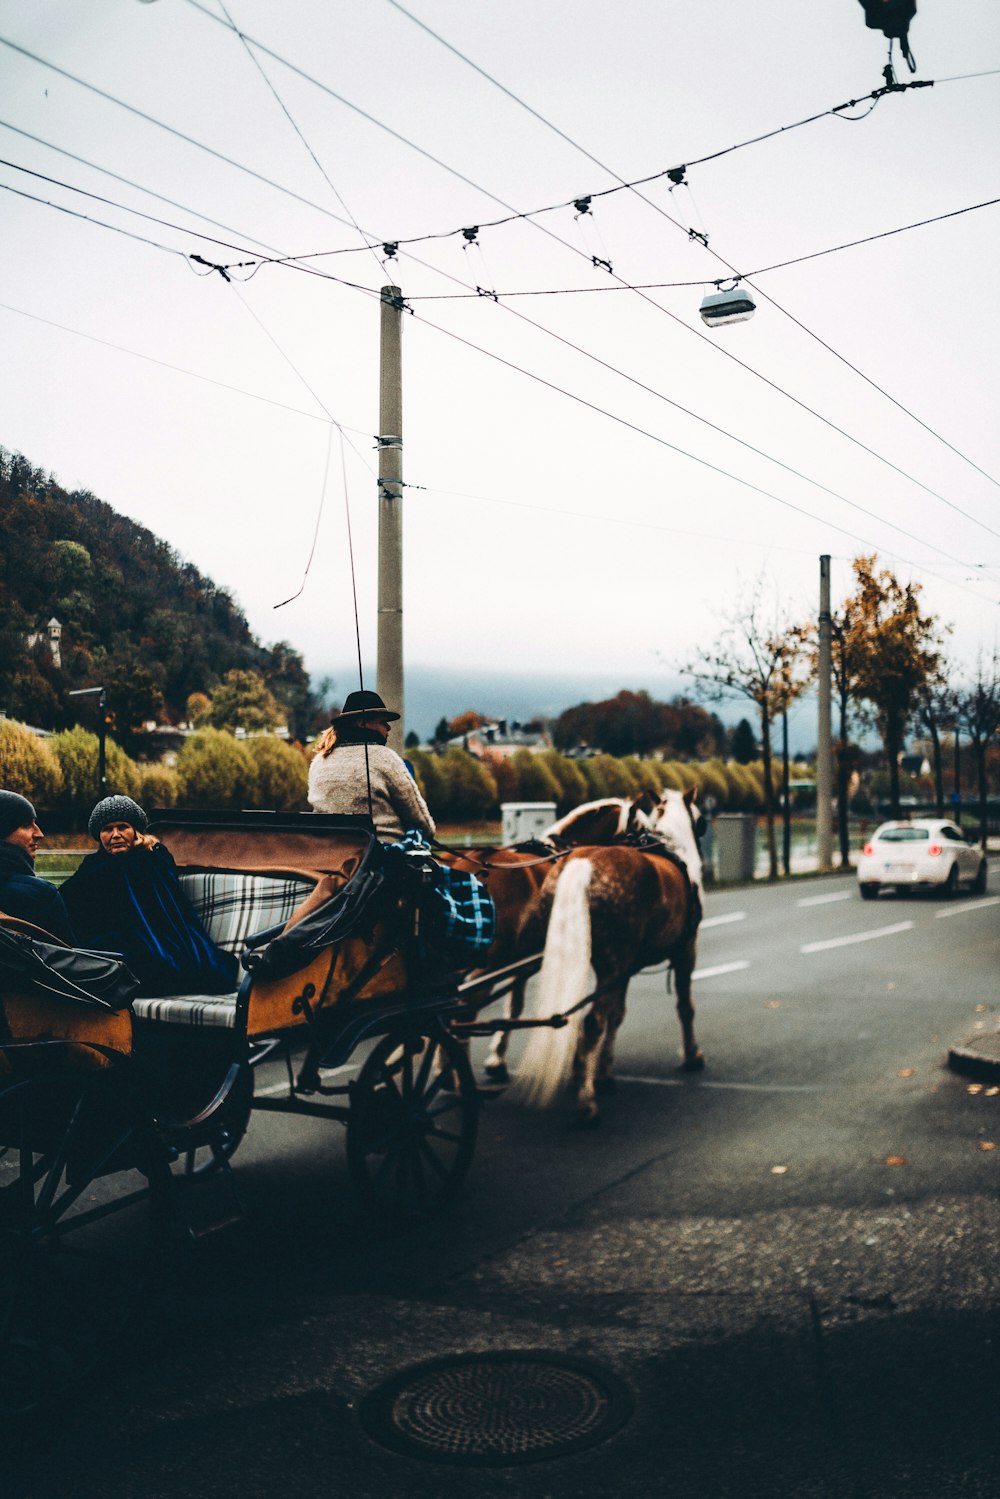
(664, 442)
(890, 88)
(170, 129)
(129, 182)
(176, 369)
(577, 349)
(624, 286)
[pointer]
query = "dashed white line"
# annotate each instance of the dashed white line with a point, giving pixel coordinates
(680, 1082)
(822, 900)
(976, 905)
(718, 970)
(722, 920)
(882, 931)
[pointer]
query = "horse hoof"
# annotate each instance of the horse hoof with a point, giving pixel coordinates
(587, 1121)
(694, 1064)
(497, 1073)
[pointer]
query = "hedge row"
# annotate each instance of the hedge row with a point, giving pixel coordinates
(214, 769)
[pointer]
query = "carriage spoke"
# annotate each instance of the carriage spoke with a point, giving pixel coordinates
(433, 1161)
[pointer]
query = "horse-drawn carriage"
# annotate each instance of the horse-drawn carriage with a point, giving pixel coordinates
(110, 1118)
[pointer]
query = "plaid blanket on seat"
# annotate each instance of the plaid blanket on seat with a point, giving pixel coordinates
(458, 910)
(232, 907)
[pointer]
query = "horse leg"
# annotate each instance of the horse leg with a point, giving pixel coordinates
(684, 963)
(496, 1062)
(615, 1000)
(585, 1066)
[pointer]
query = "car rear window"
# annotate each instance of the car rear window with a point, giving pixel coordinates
(903, 835)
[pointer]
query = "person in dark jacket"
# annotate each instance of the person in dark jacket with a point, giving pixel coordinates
(127, 898)
(22, 893)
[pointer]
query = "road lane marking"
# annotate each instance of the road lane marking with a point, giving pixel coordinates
(721, 968)
(882, 931)
(822, 900)
(687, 1082)
(325, 1072)
(976, 905)
(722, 920)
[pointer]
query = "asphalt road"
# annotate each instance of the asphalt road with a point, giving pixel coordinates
(790, 1259)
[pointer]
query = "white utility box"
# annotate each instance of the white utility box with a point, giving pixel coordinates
(522, 820)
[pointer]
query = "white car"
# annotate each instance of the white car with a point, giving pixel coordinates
(924, 851)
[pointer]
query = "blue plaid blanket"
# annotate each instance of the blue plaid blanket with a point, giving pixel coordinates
(458, 910)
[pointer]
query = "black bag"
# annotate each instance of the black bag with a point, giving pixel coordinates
(276, 953)
(99, 979)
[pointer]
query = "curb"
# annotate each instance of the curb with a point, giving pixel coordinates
(971, 1060)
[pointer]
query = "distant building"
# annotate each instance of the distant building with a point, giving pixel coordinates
(501, 738)
(51, 636)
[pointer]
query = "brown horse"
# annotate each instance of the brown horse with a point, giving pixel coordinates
(618, 909)
(514, 876)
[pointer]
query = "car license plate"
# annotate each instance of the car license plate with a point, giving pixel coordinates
(905, 870)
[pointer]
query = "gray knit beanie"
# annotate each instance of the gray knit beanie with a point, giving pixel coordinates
(15, 812)
(116, 809)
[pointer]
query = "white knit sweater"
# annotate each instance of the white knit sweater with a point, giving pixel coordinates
(338, 783)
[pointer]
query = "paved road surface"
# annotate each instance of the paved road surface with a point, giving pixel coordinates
(794, 1314)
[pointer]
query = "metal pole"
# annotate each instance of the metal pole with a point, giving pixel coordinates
(786, 809)
(102, 759)
(824, 748)
(389, 667)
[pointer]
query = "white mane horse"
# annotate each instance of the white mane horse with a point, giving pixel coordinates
(618, 909)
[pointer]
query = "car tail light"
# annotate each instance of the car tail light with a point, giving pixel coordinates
(869, 849)
(935, 849)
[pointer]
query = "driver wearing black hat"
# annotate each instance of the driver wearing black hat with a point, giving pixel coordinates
(354, 771)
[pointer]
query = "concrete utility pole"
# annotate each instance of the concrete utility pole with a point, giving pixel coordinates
(824, 756)
(389, 667)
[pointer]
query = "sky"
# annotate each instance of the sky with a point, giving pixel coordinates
(596, 480)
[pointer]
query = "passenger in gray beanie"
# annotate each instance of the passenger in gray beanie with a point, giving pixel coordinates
(22, 893)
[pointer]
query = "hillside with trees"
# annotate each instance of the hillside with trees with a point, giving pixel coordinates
(136, 618)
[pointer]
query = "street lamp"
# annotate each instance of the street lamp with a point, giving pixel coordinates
(102, 697)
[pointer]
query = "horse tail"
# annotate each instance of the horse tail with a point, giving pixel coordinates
(563, 982)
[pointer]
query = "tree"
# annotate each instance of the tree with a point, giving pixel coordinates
(29, 766)
(894, 651)
(243, 701)
(979, 715)
(216, 770)
(282, 775)
(743, 746)
(465, 723)
(77, 752)
(571, 781)
(937, 709)
(758, 660)
(535, 779)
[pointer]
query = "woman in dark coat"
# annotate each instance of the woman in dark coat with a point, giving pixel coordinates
(126, 898)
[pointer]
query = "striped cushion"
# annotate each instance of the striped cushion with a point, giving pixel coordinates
(189, 1009)
(231, 907)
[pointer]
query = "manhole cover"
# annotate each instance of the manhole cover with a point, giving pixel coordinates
(495, 1409)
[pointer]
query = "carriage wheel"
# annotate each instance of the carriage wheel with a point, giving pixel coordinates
(411, 1130)
(84, 1197)
(227, 1129)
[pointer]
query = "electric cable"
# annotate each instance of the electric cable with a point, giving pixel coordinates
(668, 313)
(569, 344)
(176, 369)
(663, 442)
(128, 182)
(293, 122)
(891, 87)
(625, 284)
(170, 129)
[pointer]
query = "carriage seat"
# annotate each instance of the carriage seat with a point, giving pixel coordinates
(232, 906)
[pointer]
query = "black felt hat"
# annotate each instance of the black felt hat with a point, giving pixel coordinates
(358, 705)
